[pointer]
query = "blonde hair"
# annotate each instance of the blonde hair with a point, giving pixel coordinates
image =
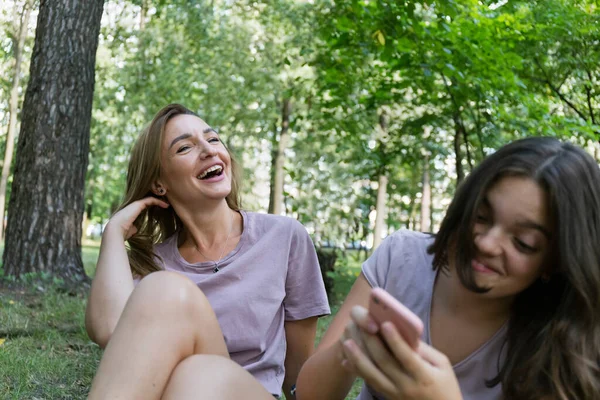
(155, 224)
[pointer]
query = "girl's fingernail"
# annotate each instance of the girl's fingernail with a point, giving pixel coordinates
(348, 344)
(387, 327)
(372, 327)
(345, 363)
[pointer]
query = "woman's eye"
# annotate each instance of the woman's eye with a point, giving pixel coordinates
(182, 148)
(214, 140)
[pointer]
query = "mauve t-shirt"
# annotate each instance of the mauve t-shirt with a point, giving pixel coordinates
(402, 266)
(272, 276)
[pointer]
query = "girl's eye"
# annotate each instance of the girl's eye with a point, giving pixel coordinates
(524, 247)
(213, 140)
(482, 219)
(182, 148)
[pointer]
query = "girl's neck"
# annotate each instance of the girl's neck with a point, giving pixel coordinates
(455, 299)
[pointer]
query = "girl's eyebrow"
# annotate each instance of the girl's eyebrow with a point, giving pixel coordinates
(526, 223)
(534, 225)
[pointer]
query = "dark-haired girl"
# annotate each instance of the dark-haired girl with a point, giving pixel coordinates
(508, 290)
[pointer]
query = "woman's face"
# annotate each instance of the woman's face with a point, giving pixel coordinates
(511, 236)
(195, 165)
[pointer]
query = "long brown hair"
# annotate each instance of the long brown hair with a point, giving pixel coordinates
(155, 224)
(553, 336)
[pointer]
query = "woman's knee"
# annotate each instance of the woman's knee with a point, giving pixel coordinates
(169, 292)
(205, 376)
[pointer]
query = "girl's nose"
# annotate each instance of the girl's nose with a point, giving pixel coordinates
(489, 241)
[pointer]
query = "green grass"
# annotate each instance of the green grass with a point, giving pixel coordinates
(49, 356)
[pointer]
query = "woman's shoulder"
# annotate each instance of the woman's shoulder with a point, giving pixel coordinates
(271, 220)
(164, 248)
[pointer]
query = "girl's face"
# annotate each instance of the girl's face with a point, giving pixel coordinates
(195, 164)
(511, 236)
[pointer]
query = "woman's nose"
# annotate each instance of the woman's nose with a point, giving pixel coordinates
(207, 149)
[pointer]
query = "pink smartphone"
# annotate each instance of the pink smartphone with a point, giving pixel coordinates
(384, 307)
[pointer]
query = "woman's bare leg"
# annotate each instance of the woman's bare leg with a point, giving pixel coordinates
(166, 320)
(213, 377)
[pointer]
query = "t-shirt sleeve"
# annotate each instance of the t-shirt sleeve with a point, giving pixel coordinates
(376, 268)
(305, 291)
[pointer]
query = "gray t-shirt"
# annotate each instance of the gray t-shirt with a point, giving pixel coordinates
(402, 266)
(272, 276)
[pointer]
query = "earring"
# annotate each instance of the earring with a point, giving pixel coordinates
(161, 191)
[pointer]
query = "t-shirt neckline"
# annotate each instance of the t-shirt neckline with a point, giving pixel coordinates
(475, 352)
(209, 265)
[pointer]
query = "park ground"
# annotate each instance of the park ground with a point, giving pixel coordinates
(45, 353)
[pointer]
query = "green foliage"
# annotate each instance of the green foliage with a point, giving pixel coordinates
(438, 72)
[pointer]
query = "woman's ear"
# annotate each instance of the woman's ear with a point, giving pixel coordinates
(158, 189)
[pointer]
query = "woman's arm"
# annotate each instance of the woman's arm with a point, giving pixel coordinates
(322, 376)
(111, 287)
(113, 282)
(300, 338)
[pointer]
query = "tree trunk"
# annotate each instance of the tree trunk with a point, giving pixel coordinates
(17, 42)
(274, 145)
(380, 205)
(460, 174)
(426, 199)
(380, 210)
(47, 200)
(276, 198)
(143, 11)
(410, 222)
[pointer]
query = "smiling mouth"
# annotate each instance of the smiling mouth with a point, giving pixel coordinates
(215, 170)
(479, 267)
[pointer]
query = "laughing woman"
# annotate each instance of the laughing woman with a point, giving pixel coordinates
(209, 301)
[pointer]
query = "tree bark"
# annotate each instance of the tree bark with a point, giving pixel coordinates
(276, 198)
(426, 199)
(47, 201)
(13, 107)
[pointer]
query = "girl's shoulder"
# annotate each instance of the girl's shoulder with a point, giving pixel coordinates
(408, 240)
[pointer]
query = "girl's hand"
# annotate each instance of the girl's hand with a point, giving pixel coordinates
(123, 219)
(361, 324)
(399, 372)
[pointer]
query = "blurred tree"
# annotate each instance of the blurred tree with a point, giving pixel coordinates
(18, 36)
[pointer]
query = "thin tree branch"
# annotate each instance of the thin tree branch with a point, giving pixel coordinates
(478, 132)
(458, 120)
(564, 79)
(558, 93)
(588, 92)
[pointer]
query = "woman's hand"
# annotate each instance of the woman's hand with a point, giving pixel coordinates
(123, 219)
(397, 371)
